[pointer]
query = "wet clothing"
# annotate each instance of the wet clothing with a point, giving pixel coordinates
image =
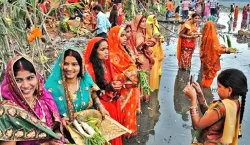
(185, 46)
(210, 52)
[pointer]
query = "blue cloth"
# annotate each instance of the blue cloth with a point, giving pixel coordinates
(55, 85)
(102, 23)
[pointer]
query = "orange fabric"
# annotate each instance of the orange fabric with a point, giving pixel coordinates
(210, 51)
(180, 39)
(124, 70)
(170, 6)
(119, 58)
(114, 106)
(236, 12)
(89, 48)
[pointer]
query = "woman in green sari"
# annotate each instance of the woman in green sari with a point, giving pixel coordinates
(72, 87)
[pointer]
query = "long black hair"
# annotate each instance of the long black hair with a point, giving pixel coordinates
(235, 79)
(78, 58)
(97, 65)
(23, 64)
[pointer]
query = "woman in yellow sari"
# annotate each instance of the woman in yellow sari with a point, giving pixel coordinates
(152, 31)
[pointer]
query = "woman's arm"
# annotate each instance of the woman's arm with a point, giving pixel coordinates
(98, 105)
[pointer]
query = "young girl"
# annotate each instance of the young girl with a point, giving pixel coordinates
(221, 121)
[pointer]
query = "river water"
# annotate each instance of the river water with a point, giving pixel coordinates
(166, 119)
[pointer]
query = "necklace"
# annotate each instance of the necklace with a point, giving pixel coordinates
(73, 93)
(32, 103)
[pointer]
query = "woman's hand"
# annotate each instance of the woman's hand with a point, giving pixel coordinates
(103, 110)
(116, 85)
(197, 88)
(190, 92)
(65, 122)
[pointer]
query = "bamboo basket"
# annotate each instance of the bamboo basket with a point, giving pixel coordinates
(110, 128)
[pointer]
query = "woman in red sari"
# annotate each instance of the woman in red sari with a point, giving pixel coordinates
(186, 42)
(124, 70)
(210, 52)
(244, 13)
(98, 66)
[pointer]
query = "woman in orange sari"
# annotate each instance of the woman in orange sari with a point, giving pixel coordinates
(236, 12)
(186, 42)
(210, 52)
(123, 69)
(145, 59)
(98, 66)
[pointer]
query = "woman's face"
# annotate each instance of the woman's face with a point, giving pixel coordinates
(143, 23)
(195, 19)
(71, 67)
(27, 83)
(223, 92)
(123, 38)
(128, 32)
(102, 51)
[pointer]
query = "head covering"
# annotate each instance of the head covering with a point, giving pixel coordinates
(10, 90)
(87, 55)
(45, 108)
(152, 21)
(89, 48)
(210, 51)
(119, 57)
(56, 84)
(135, 23)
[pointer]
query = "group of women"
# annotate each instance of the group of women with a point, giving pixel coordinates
(104, 77)
(221, 121)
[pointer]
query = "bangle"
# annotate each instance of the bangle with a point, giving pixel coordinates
(97, 104)
(194, 110)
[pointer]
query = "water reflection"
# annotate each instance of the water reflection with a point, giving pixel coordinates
(243, 24)
(146, 120)
(234, 25)
(181, 103)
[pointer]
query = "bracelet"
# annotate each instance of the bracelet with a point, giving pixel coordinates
(97, 104)
(194, 110)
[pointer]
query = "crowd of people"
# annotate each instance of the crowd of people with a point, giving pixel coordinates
(118, 70)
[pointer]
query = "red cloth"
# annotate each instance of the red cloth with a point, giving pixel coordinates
(113, 107)
(73, 1)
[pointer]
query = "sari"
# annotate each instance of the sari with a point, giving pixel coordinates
(185, 47)
(124, 70)
(227, 128)
(108, 99)
(244, 13)
(33, 120)
(236, 12)
(120, 14)
(139, 38)
(210, 52)
(152, 30)
(56, 85)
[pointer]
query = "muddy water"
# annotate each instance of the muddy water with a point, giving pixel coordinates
(166, 119)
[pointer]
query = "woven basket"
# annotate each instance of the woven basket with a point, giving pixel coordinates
(110, 128)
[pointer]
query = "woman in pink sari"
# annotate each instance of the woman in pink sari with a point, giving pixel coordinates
(23, 86)
(145, 59)
(207, 10)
